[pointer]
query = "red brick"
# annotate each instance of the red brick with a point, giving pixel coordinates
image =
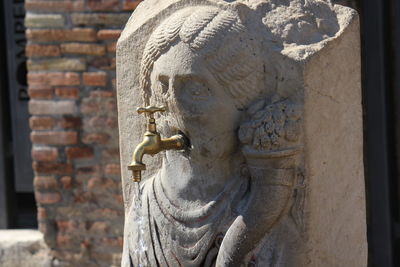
(101, 122)
(40, 93)
(79, 152)
(57, 5)
(65, 241)
(52, 168)
(54, 138)
(100, 183)
(42, 226)
(110, 154)
(113, 242)
(103, 5)
(88, 171)
(62, 35)
(95, 78)
(47, 198)
(89, 106)
(96, 138)
(112, 47)
(41, 213)
(97, 122)
(70, 122)
(111, 105)
(41, 123)
(35, 50)
(83, 49)
(101, 227)
(103, 63)
(105, 213)
(64, 78)
(69, 226)
(66, 181)
(119, 199)
(37, 80)
(44, 153)
(45, 182)
(112, 169)
(108, 34)
(131, 4)
(67, 92)
(101, 93)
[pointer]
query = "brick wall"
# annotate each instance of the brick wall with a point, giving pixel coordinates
(71, 77)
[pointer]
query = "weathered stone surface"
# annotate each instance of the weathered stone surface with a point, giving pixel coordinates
(286, 188)
(44, 20)
(23, 248)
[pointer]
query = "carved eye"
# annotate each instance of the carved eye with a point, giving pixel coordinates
(163, 83)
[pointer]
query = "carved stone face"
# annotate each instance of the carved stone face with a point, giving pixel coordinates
(198, 105)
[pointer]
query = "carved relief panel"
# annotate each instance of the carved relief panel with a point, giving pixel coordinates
(231, 75)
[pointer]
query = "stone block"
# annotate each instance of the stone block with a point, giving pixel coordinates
(43, 107)
(24, 248)
(57, 64)
(83, 49)
(44, 20)
(95, 19)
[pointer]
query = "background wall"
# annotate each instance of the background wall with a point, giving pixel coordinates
(71, 78)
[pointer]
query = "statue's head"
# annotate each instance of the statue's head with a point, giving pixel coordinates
(204, 65)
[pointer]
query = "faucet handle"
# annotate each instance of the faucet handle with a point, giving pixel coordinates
(150, 110)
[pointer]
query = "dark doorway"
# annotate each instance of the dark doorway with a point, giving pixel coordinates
(17, 204)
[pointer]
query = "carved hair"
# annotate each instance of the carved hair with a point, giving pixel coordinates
(231, 52)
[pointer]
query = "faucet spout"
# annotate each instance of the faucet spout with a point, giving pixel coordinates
(153, 144)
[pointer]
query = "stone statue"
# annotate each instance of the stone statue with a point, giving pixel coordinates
(231, 76)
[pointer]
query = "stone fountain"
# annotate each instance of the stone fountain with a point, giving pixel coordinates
(266, 96)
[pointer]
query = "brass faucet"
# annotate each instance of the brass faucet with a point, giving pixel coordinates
(152, 143)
